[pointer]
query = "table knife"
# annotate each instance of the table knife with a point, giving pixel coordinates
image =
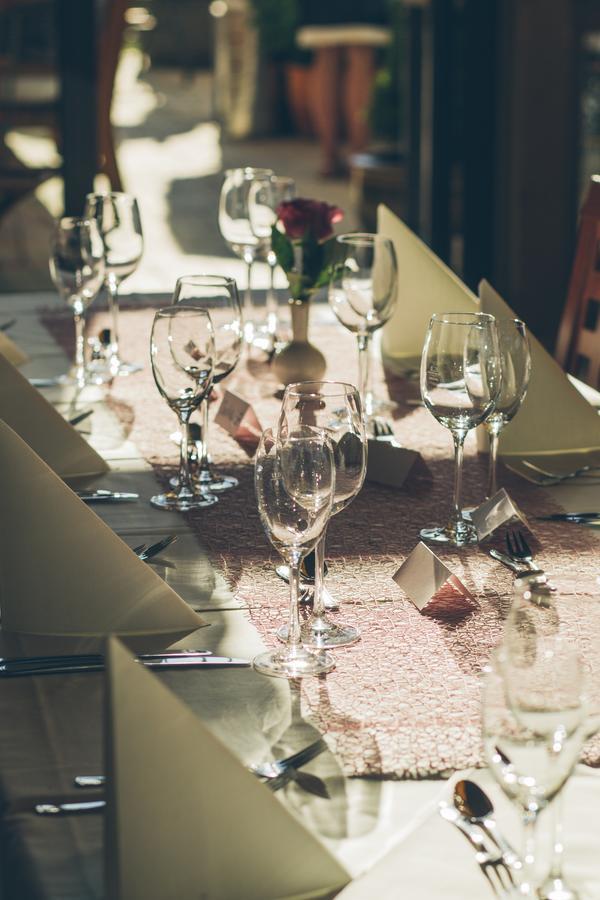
(567, 516)
(78, 658)
(61, 809)
(106, 496)
(8, 670)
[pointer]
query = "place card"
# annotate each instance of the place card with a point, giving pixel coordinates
(493, 513)
(422, 576)
(239, 420)
(388, 463)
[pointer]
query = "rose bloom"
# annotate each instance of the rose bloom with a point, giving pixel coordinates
(300, 216)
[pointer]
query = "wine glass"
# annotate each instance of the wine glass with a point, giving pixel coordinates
(119, 223)
(77, 269)
(362, 294)
(182, 352)
(236, 229)
(266, 194)
(533, 711)
(219, 295)
(333, 409)
(515, 361)
(460, 380)
(294, 481)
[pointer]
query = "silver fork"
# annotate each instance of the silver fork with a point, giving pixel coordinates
(549, 478)
(492, 865)
(519, 549)
(382, 429)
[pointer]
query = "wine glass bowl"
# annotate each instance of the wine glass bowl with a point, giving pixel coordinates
(219, 295)
(460, 381)
(120, 225)
(362, 293)
(77, 269)
(182, 354)
(294, 481)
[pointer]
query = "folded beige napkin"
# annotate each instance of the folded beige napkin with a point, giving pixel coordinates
(425, 286)
(29, 414)
(9, 349)
(184, 817)
(555, 418)
(62, 570)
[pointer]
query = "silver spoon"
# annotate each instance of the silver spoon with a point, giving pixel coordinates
(473, 803)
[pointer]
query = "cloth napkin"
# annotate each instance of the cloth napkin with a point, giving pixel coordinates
(425, 286)
(555, 418)
(184, 817)
(62, 570)
(29, 414)
(10, 351)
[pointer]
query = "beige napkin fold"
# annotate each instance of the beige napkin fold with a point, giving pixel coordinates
(62, 570)
(425, 286)
(184, 817)
(10, 351)
(29, 414)
(554, 419)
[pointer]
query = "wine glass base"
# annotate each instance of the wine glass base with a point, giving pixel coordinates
(324, 636)
(283, 664)
(556, 889)
(456, 534)
(217, 483)
(182, 504)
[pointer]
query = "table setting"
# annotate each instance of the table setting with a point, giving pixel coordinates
(409, 637)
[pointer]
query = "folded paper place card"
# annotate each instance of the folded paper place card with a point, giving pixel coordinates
(493, 513)
(389, 463)
(423, 577)
(239, 420)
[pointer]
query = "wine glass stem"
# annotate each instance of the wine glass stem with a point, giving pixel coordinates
(113, 308)
(459, 440)
(364, 373)
(318, 605)
(529, 838)
(185, 482)
(271, 298)
(556, 810)
(492, 485)
(248, 316)
(79, 320)
(294, 636)
(204, 461)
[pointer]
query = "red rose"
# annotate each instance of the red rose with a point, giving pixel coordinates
(300, 217)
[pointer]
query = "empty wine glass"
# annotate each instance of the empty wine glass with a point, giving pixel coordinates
(460, 380)
(362, 294)
(77, 269)
(534, 708)
(119, 223)
(333, 409)
(236, 229)
(182, 351)
(266, 193)
(219, 295)
(294, 482)
(515, 361)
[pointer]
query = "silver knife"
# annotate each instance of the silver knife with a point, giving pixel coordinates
(106, 496)
(58, 809)
(566, 517)
(79, 658)
(195, 662)
(512, 564)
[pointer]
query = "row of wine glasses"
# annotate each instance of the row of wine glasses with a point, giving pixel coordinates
(536, 709)
(101, 248)
(330, 412)
(247, 211)
(474, 369)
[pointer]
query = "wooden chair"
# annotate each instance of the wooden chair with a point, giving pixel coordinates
(578, 342)
(18, 111)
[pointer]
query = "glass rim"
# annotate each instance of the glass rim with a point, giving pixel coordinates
(207, 278)
(361, 238)
(167, 312)
(345, 387)
(463, 318)
(247, 170)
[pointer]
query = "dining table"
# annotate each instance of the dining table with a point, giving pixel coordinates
(400, 714)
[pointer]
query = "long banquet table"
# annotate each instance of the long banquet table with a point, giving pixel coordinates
(400, 712)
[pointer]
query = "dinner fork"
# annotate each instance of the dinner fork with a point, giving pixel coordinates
(382, 429)
(549, 478)
(519, 549)
(492, 865)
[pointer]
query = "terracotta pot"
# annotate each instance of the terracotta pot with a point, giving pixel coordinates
(299, 360)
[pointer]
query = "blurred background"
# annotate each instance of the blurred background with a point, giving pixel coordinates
(482, 129)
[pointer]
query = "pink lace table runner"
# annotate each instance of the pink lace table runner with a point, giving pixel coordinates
(405, 700)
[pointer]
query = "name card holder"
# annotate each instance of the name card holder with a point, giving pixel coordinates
(237, 417)
(388, 463)
(426, 580)
(494, 513)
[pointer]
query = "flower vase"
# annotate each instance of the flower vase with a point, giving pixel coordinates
(299, 360)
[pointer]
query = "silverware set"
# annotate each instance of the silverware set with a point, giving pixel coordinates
(94, 662)
(145, 553)
(274, 774)
(471, 811)
(518, 558)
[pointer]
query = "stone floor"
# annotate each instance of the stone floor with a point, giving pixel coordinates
(172, 154)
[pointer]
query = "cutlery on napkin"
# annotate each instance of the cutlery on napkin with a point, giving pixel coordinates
(104, 496)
